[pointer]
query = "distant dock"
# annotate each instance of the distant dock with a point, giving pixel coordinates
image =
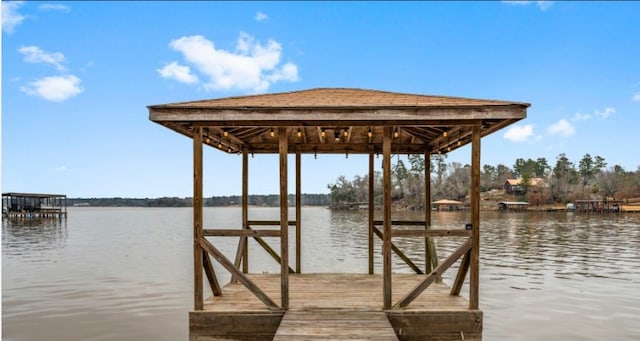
(34, 205)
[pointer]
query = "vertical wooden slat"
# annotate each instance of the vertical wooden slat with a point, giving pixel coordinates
(284, 218)
(245, 209)
(386, 202)
(475, 219)
(241, 251)
(427, 211)
(371, 209)
(197, 219)
(298, 212)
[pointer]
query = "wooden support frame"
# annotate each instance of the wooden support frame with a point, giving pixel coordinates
(462, 273)
(198, 289)
(438, 271)
(242, 278)
(284, 217)
(400, 254)
(270, 251)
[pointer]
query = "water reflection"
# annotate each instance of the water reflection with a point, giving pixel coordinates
(124, 273)
(24, 236)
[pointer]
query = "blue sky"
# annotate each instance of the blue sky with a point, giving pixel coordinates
(77, 77)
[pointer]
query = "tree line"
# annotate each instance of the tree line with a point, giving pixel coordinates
(562, 182)
(269, 200)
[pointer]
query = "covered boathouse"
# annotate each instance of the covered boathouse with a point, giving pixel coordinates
(34, 205)
(293, 305)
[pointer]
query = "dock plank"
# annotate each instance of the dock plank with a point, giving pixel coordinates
(334, 324)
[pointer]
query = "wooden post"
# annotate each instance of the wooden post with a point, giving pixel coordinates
(371, 209)
(386, 202)
(284, 218)
(298, 212)
(242, 251)
(197, 219)
(427, 211)
(245, 209)
(475, 219)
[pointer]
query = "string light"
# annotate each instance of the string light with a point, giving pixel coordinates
(225, 133)
(336, 135)
(273, 133)
(459, 143)
(444, 134)
(396, 133)
(370, 133)
(322, 133)
(346, 133)
(299, 133)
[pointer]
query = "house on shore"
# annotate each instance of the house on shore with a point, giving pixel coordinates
(516, 186)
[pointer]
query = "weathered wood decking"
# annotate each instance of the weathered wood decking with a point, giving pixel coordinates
(339, 301)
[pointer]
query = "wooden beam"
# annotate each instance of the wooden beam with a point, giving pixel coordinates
(438, 271)
(400, 254)
(462, 273)
(298, 212)
(386, 207)
(475, 219)
(283, 117)
(430, 233)
(271, 251)
(211, 274)
(242, 278)
(197, 220)
(284, 218)
(243, 233)
(269, 222)
(238, 143)
(371, 209)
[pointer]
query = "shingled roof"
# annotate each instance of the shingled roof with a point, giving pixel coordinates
(317, 117)
(338, 98)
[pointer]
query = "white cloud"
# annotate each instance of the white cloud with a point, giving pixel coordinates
(519, 133)
(252, 66)
(55, 89)
(180, 73)
(61, 169)
(581, 117)
(562, 128)
(261, 16)
(10, 16)
(605, 113)
(542, 5)
(34, 54)
(55, 7)
(636, 97)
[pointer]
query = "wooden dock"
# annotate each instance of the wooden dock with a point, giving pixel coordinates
(336, 121)
(342, 306)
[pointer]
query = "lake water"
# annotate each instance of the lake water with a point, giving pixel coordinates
(126, 273)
